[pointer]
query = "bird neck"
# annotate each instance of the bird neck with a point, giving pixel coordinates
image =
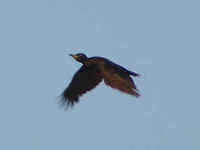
(86, 63)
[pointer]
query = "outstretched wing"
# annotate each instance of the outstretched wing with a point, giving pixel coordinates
(85, 79)
(119, 78)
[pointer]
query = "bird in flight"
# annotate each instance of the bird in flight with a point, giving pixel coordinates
(92, 72)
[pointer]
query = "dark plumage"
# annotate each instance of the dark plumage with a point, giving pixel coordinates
(92, 72)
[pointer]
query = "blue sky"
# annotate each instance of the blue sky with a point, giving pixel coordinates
(158, 39)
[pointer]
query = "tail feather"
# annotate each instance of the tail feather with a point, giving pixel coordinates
(134, 74)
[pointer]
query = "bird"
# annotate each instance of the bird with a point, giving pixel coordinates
(92, 72)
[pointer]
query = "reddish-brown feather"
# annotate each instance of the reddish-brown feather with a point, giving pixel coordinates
(119, 79)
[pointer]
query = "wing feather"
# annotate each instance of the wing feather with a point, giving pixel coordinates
(119, 78)
(85, 79)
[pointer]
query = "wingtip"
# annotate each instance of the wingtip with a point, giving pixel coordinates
(66, 100)
(135, 93)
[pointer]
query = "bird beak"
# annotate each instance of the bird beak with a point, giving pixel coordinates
(74, 56)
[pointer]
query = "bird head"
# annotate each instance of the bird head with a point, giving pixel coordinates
(80, 57)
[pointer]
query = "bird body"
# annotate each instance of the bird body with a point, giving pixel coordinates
(92, 72)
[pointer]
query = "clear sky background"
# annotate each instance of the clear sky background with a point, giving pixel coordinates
(158, 39)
